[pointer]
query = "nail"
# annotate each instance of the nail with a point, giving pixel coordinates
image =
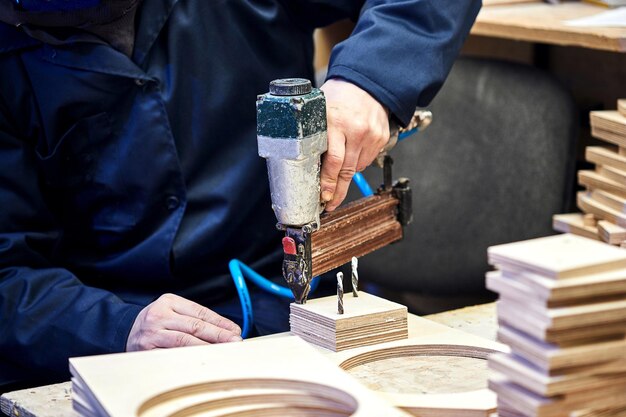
(327, 196)
(235, 339)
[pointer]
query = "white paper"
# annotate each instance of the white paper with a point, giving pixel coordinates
(615, 18)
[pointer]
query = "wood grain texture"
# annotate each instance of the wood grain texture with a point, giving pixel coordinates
(557, 257)
(355, 229)
(282, 376)
(544, 23)
(367, 320)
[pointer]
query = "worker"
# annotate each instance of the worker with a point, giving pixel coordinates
(128, 159)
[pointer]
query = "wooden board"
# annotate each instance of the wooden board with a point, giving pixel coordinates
(610, 200)
(586, 203)
(593, 180)
(55, 400)
(355, 229)
(609, 136)
(515, 289)
(613, 174)
(621, 107)
(610, 121)
(282, 376)
(550, 357)
(611, 233)
(594, 285)
(564, 318)
(367, 320)
(544, 23)
(523, 373)
(606, 156)
(529, 404)
(435, 343)
(574, 223)
(561, 256)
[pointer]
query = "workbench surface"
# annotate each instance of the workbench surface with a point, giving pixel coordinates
(55, 400)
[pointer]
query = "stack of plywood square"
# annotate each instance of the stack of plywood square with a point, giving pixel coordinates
(604, 201)
(562, 312)
(367, 320)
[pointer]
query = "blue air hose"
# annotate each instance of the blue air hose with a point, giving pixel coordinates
(239, 271)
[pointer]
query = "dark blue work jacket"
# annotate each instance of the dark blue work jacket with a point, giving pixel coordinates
(122, 178)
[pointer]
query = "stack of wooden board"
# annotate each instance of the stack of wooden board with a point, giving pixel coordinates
(604, 201)
(271, 377)
(562, 312)
(367, 320)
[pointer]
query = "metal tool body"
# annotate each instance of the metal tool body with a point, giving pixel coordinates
(291, 136)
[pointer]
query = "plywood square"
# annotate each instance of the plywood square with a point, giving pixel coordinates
(594, 181)
(606, 284)
(586, 203)
(605, 156)
(523, 373)
(367, 320)
(574, 223)
(530, 404)
(609, 120)
(285, 376)
(550, 357)
(564, 318)
(611, 233)
(557, 257)
(611, 200)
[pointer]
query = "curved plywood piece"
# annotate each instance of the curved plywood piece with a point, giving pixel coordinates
(449, 342)
(206, 380)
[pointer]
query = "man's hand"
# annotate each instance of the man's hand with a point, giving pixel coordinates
(173, 321)
(358, 129)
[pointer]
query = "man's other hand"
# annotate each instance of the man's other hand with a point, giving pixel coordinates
(173, 321)
(358, 129)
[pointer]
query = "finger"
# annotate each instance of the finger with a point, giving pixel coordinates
(378, 137)
(346, 173)
(186, 307)
(331, 163)
(171, 338)
(200, 329)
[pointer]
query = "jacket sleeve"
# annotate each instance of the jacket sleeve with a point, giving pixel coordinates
(400, 51)
(46, 313)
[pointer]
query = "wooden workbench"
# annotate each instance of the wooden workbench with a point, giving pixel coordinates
(543, 23)
(55, 400)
